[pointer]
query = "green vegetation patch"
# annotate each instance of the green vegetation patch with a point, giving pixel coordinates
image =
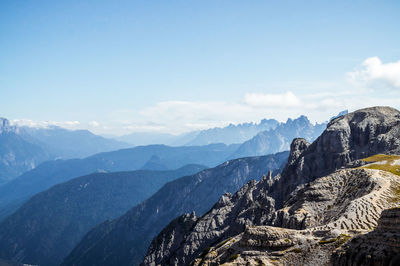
(395, 198)
(327, 241)
(296, 250)
(386, 163)
(380, 157)
(234, 257)
(223, 243)
(343, 238)
(383, 162)
(340, 240)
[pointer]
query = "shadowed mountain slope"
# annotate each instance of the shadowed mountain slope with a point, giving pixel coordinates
(54, 172)
(46, 228)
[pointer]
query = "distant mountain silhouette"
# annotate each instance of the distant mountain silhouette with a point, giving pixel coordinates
(24, 148)
(279, 138)
(231, 134)
(68, 144)
(17, 155)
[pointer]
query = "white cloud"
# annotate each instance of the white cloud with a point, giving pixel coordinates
(46, 124)
(182, 116)
(145, 127)
(373, 73)
(287, 99)
(94, 123)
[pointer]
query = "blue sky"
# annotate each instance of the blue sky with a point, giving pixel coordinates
(173, 66)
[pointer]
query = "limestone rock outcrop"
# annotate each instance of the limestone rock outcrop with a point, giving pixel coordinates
(346, 139)
(318, 203)
(379, 247)
(332, 208)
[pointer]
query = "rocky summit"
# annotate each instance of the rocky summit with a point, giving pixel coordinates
(335, 203)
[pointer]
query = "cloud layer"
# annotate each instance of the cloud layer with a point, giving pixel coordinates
(373, 73)
(368, 87)
(287, 99)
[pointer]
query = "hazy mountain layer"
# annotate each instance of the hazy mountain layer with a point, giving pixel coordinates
(279, 138)
(149, 138)
(24, 148)
(17, 155)
(232, 133)
(67, 144)
(28, 147)
(54, 172)
(46, 228)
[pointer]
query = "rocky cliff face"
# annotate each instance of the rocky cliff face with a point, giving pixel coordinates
(346, 139)
(330, 208)
(162, 247)
(327, 205)
(379, 247)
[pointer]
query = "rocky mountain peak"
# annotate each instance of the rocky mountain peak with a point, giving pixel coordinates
(301, 120)
(373, 116)
(346, 139)
(344, 112)
(296, 148)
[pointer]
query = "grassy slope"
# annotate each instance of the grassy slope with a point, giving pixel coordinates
(388, 163)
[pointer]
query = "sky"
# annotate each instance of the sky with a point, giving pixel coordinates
(116, 67)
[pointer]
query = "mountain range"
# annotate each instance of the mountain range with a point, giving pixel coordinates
(231, 134)
(67, 144)
(151, 157)
(23, 148)
(279, 138)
